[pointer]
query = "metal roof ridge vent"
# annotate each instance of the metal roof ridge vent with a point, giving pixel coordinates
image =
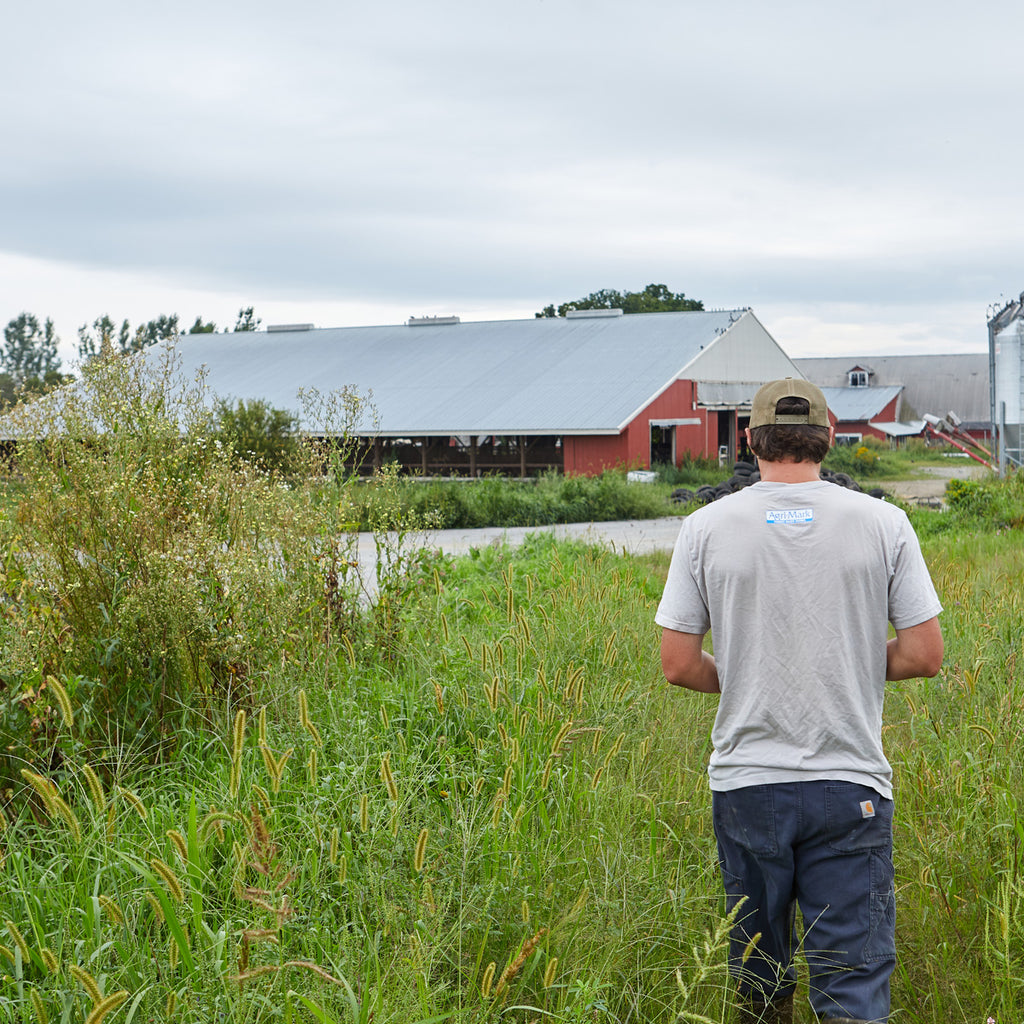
(586, 314)
(423, 321)
(279, 328)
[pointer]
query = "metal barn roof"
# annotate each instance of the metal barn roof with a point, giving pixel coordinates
(858, 404)
(540, 376)
(935, 384)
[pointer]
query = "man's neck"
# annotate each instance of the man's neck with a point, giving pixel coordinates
(789, 472)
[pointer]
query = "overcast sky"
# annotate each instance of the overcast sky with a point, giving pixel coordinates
(852, 172)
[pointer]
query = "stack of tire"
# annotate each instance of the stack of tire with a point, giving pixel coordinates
(746, 473)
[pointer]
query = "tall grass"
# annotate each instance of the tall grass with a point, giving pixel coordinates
(481, 804)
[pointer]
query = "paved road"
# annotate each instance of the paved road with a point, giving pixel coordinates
(632, 536)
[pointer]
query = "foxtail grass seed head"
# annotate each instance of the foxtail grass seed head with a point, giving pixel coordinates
(42, 1017)
(311, 767)
(137, 805)
(503, 736)
(180, 846)
(45, 790)
(439, 698)
(303, 709)
(314, 733)
(262, 727)
(596, 777)
(69, 816)
(170, 1005)
(50, 961)
(488, 980)
(154, 905)
(444, 628)
(550, 971)
(508, 779)
(238, 735)
(750, 947)
(96, 794)
(8, 953)
(499, 803)
(63, 701)
(88, 982)
(342, 869)
(421, 850)
(546, 777)
(364, 812)
(402, 745)
(111, 818)
(384, 717)
(595, 744)
(3, 822)
(517, 965)
(111, 909)
(170, 879)
(19, 940)
(333, 852)
(556, 746)
(105, 1007)
(524, 912)
(387, 778)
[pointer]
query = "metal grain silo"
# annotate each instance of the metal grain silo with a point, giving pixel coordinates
(1006, 376)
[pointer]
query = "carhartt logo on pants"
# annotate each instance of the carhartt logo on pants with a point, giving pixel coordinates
(867, 808)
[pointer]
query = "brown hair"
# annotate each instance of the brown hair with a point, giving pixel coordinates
(790, 443)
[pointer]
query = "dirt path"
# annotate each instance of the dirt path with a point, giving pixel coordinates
(929, 491)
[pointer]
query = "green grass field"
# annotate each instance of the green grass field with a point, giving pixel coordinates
(233, 791)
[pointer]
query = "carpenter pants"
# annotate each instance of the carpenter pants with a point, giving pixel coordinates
(827, 848)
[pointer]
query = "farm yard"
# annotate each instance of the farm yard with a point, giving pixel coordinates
(238, 788)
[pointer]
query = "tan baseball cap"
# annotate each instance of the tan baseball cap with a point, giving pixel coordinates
(762, 411)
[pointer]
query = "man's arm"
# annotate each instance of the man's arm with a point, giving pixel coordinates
(915, 651)
(686, 663)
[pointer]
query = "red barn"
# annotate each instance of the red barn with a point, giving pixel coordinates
(581, 393)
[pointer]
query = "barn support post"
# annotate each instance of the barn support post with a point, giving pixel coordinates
(378, 446)
(522, 455)
(472, 455)
(424, 444)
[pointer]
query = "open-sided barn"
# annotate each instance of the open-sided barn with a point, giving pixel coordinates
(580, 393)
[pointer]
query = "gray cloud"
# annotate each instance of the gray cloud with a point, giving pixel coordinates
(787, 153)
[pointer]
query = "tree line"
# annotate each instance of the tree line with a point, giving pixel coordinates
(30, 360)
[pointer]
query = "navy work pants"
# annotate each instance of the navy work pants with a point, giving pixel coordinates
(825, 847)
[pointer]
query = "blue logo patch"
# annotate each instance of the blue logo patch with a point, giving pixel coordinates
(789, 516)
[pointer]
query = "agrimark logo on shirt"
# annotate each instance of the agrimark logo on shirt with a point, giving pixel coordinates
(789, 516)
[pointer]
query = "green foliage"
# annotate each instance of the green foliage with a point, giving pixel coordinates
(497, 501)
(106, 339)
(141, 557)
(257, 432)
(975, 506)
(30, 349)
(655, 298)
(202, 326)
(505, 816)
(247, 320)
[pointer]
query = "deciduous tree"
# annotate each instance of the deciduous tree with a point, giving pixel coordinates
(30, 349)
(655, 298)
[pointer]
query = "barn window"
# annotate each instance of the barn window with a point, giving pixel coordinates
(858, 378)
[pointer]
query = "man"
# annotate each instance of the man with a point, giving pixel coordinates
(798, 580)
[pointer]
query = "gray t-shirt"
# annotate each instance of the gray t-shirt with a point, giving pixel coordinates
(797, 583)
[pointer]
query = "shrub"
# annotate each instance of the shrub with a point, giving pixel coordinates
(257, 432)
(143, 559)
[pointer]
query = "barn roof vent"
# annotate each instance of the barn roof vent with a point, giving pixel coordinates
(587, 314)
(423, 321)
(279, 328)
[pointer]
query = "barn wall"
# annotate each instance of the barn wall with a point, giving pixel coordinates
(632, 448)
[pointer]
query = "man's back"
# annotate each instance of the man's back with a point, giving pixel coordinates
(798, 583)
